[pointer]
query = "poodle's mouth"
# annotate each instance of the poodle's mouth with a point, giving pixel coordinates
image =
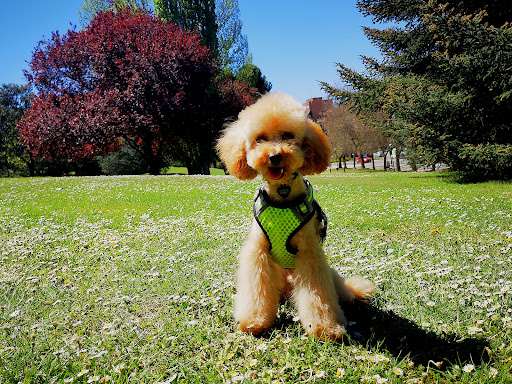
(276, 173)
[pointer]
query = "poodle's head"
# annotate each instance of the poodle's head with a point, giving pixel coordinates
(273, 137)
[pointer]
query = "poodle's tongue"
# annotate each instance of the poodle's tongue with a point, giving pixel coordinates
(276, 173)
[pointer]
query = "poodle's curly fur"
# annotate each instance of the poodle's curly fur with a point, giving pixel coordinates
(274, 138)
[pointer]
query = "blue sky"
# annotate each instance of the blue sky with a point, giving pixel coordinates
(296, 43)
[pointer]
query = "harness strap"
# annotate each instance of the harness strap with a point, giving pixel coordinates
(280, 222)
(322, 217)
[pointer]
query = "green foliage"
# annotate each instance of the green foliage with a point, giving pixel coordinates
(90, 8)
(445, 79)
(251, 75)
(233, 45)
(126, 161)
(489, 161)
(14, 158)
(194, 15)
(217, 21)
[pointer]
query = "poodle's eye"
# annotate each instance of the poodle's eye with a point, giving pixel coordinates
(261, 139)
(287, 136)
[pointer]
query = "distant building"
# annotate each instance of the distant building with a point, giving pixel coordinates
(317, 107)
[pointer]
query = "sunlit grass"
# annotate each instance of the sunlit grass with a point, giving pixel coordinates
(184, 171)
(130, 279)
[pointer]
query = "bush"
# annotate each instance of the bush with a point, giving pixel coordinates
(126, 161)
(486, 161)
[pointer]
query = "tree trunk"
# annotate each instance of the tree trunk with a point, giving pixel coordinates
(154, 167)
(385, 159)
(206, 168)
(155, 163)
(362, 160)
(373, 162)
(197, 167)
(31, 165)
(197, 157)
(193, 168)
(154, 160)
(397, 161)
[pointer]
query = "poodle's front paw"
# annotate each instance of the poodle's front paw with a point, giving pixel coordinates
(334, 332)
(253, 328)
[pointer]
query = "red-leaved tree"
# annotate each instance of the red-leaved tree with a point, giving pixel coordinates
(225, 99)
(131, 79)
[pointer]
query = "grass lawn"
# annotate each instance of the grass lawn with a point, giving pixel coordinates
(184, 171)
(131, 279)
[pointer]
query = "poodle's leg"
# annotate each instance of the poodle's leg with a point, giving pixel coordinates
(353, 288)
(259, 285)
(315, 296)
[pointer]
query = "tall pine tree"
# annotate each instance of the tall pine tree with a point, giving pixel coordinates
(444, 83)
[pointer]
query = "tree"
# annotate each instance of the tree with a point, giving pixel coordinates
(444, 84)
(349, 134)
(233, 46)
(90, 8)
(225, 99)
(14, 100)
(230, 46)
(128, 78)
(251, 75)
(192, 15)
(126, 161)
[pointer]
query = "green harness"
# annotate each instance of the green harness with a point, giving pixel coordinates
(280, 222)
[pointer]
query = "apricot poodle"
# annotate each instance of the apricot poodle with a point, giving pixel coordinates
(283, 256)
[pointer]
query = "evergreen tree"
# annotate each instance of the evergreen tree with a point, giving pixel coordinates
(444, 83)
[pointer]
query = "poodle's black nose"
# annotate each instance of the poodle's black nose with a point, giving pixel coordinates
(275, 159)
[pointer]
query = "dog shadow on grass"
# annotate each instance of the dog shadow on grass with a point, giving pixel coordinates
(375, 328)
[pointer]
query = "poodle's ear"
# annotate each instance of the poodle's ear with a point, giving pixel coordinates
(317, 150)
(232, 152)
